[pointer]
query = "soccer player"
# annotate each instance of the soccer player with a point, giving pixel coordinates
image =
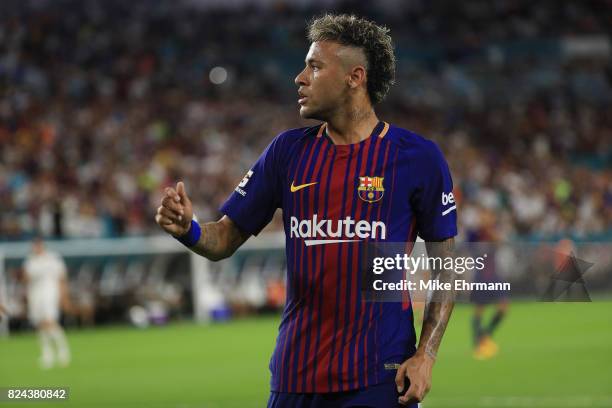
(482, 334)
(45, 276)
(350, 180)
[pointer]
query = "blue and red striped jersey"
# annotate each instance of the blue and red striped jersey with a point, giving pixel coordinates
(335, 198)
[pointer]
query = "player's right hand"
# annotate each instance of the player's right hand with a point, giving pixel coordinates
(175, 212)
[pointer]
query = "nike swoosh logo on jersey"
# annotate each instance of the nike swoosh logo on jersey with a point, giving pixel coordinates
(301, 186)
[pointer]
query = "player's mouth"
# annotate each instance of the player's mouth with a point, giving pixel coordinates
(303, 98)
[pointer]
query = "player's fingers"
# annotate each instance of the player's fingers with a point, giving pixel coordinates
(171, 204)
(168, 213)
(163, 210)
(400, 376)
(180, 189)
(414, 394)
(405, 400)
(161, 220)
(402, 401)
(170, 192)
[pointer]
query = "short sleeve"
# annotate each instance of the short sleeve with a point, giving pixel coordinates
(434, 203)
(255, 199)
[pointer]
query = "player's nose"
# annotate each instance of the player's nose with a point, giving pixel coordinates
(300, 79)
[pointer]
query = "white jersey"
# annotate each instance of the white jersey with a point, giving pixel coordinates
(44, 273)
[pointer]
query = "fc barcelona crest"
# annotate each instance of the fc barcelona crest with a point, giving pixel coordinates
(371, 189)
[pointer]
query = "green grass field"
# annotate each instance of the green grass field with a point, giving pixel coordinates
(552, 355)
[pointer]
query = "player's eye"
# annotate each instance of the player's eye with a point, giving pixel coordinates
(312, 66)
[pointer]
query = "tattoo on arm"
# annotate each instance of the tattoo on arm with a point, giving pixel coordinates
(439, 305)
(219, 239)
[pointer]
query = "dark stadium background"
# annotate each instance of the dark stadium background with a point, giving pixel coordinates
(105, 103)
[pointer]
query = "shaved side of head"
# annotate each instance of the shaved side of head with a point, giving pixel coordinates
(352, 57)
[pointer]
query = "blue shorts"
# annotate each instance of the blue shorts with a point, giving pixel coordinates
(383, 395)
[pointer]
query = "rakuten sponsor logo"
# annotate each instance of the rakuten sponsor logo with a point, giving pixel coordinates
(319, 231)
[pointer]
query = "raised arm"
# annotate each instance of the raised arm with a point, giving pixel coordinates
(218, 240)
(438, 309)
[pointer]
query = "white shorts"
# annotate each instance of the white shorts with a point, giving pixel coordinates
(43, 308)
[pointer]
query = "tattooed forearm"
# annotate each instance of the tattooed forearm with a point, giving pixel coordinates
(219, 239)
(439, 304)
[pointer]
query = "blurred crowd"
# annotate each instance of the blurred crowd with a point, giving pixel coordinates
(103, 104)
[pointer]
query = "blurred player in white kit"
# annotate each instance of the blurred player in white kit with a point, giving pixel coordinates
(45, 276)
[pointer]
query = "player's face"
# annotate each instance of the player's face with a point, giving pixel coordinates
(323, 82)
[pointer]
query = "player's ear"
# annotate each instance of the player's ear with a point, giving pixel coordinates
(356, 77)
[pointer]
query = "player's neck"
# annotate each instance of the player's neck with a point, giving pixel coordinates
(351, 126)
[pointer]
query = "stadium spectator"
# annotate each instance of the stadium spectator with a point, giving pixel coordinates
(100, 100)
